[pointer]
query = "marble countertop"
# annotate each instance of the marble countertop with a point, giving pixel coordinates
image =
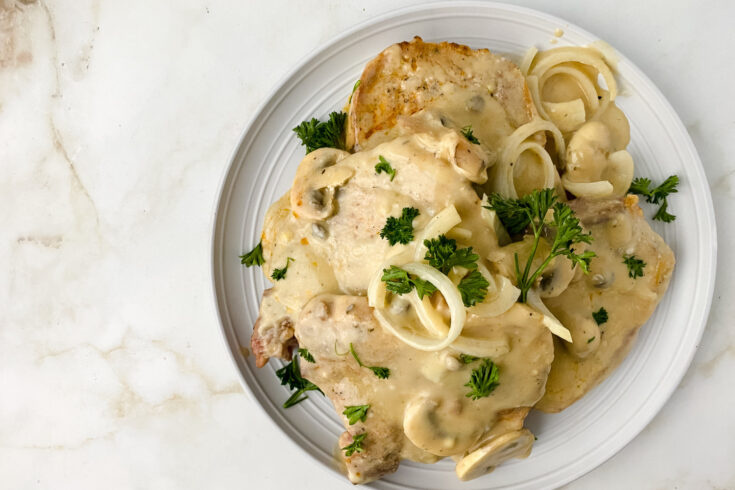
(117, 120)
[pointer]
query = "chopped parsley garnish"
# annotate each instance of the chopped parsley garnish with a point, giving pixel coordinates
(380, 372)
(384, 166)
(400, 230)
(356, 446)
(473, 288)
(600, 316)
(483, 380)
(254, 257)
(530, 210)
(467, 359)
(290, 375)
(467, 133)
(279, 274)
(399, 281)
(355, 413)
(306, 355)
(315, 134)
(656, 195)
(590, 340)
(635, 266)
(442, 254)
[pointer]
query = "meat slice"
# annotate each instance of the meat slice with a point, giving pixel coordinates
(422, 410)
(619, 230)
(410, 76)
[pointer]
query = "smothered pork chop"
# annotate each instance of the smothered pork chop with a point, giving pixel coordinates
(450, 255)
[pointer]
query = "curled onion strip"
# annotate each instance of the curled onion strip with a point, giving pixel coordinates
(442, 222)
(501, 295)
(549, 320)
(377, 299)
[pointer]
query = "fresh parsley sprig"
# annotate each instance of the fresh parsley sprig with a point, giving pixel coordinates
(315, 134)
(467, 359)
(656, 195)
(400, 230)
(355, 413)
(306, 355)
(635, 266)
(467, 133)
(473, 288)
(383, 165)
(380, 372)
(399, 281)
(290, 375)
(279, 274)
(443, 254)
(518, 214)
(254, 257)
(600, 316)
(356, 446)
(484, 380)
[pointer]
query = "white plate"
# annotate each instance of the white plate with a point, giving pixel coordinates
(570, 443)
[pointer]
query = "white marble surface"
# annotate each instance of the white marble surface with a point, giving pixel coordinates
(117, 119)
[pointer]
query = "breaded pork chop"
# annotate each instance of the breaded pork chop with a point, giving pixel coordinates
(410, 76)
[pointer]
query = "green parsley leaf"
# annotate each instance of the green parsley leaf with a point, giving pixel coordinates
(290, 375)
(398, 281)
(467, 133)
(254, 257)
(635, 266)
(656, 195)
(483, 380)
(600, 316)
(513, 214)
(468, 359)
(306, 355)
(518, 215)
(590, 340)
(384, 166)
(400, 230)
(442, 254)
(329, 134)
(279, 274)
(473, 288)
(356, 446)
(355, 413)
(663, 215)
(423, 288)
(380, 372)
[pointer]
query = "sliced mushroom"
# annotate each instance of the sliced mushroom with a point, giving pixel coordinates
(593, 168)
(312, 195)
(556, 277)
(436, 426)
(516, 444)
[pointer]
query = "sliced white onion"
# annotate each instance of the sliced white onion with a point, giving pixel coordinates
(528, 57)
(458, 314)
(597, 189)
(442, 222)
(550, 321)
(506, 296)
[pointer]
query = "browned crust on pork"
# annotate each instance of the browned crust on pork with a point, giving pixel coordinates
(390, 87)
